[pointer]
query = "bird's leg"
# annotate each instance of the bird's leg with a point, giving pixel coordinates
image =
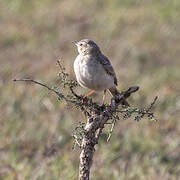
(89, 93)
(104, 97)
(84, 97)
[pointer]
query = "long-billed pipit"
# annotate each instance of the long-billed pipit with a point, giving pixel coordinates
(93, 70)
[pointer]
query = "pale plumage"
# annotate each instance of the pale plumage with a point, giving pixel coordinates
(91, 74)
(93, 70)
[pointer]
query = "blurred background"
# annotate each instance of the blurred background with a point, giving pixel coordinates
(142, 40)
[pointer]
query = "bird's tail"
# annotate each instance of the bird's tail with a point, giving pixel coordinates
(115, 92)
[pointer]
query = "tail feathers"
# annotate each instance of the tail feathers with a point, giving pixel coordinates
(115, 92)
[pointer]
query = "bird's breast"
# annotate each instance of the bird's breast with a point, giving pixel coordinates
(91, 74)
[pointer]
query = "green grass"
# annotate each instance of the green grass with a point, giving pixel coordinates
(142, 40)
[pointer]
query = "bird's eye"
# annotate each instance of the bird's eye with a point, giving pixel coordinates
(80, 44)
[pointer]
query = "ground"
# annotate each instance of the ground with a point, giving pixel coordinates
(142, 40)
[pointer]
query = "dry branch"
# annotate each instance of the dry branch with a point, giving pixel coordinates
(86, 136)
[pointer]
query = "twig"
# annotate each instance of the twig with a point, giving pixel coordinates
(77, 96)
(62, 69)
(141, 112)
(76, 140)
(152, 104)
(41, 84)
(60, 95)
(111, 131)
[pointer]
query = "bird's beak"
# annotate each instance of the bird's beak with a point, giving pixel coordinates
(75, 42)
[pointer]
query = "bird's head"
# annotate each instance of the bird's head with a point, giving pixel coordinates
(87, 47)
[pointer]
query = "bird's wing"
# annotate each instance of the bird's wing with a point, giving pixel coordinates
(108, 67)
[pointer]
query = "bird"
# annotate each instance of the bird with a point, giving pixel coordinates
(94, 71)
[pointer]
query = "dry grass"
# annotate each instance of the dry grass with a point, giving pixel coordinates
(142, 39)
